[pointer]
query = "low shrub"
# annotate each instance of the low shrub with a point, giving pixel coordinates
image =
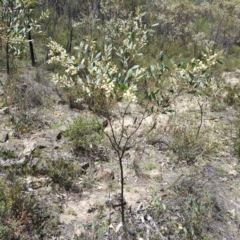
(64, 173)
(232, 98)
(22, 216)
(85, 134)
(188, 146)
(27, 121)
(237, 141)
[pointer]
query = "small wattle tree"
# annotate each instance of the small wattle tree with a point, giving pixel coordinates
(16, 25)
(111, 73)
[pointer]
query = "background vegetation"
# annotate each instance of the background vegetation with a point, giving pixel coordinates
(184, 28)
(181, 31)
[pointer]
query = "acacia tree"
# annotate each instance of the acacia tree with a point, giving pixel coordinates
(16, 24)
(106, 75)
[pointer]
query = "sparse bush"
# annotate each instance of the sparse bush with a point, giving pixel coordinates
(26, 122)
(231, 62)
(23, 96)
(150, 166)
(196, 211)
(187, 146)
(188, 223)
(21, 216)
(157, 207)
(85, 134)
(217, 105)
(188, 26)
(7, 154)
(237, 140)
(65, 173)
(232, 97)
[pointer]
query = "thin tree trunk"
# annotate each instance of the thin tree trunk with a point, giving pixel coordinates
(31, 47)
(7, 58)
(69, 44)
(120, 157)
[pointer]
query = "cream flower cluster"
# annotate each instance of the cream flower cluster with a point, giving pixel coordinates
(129, 95)
(199, 65)
(63, 81)
(108, 86)
(113, 69)
(91, 43)
(103, 76)
(126, 42)
(71, 70)
(102, 73)
(127, 27)
(57, 53)
(202, 65)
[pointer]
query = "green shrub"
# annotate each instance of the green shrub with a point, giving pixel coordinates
(27, 122)
(237, 141)
(150, 166)
(20, 213)
(217, 105)
(232, 97)
(188, 147)
(65, 173)
(85, 134)
(6, 154)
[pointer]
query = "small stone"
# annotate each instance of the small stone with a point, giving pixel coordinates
(234, 173)
(43, 143)
(232, 213)
(36, 183)
(30, 146)
(224, 179)
(4, 110)
(45, 190)
(53, 135)
(222, 154)
(78, 232)
(3, 137)
(104, 174)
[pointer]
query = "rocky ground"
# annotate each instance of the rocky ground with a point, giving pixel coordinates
(177, 185)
